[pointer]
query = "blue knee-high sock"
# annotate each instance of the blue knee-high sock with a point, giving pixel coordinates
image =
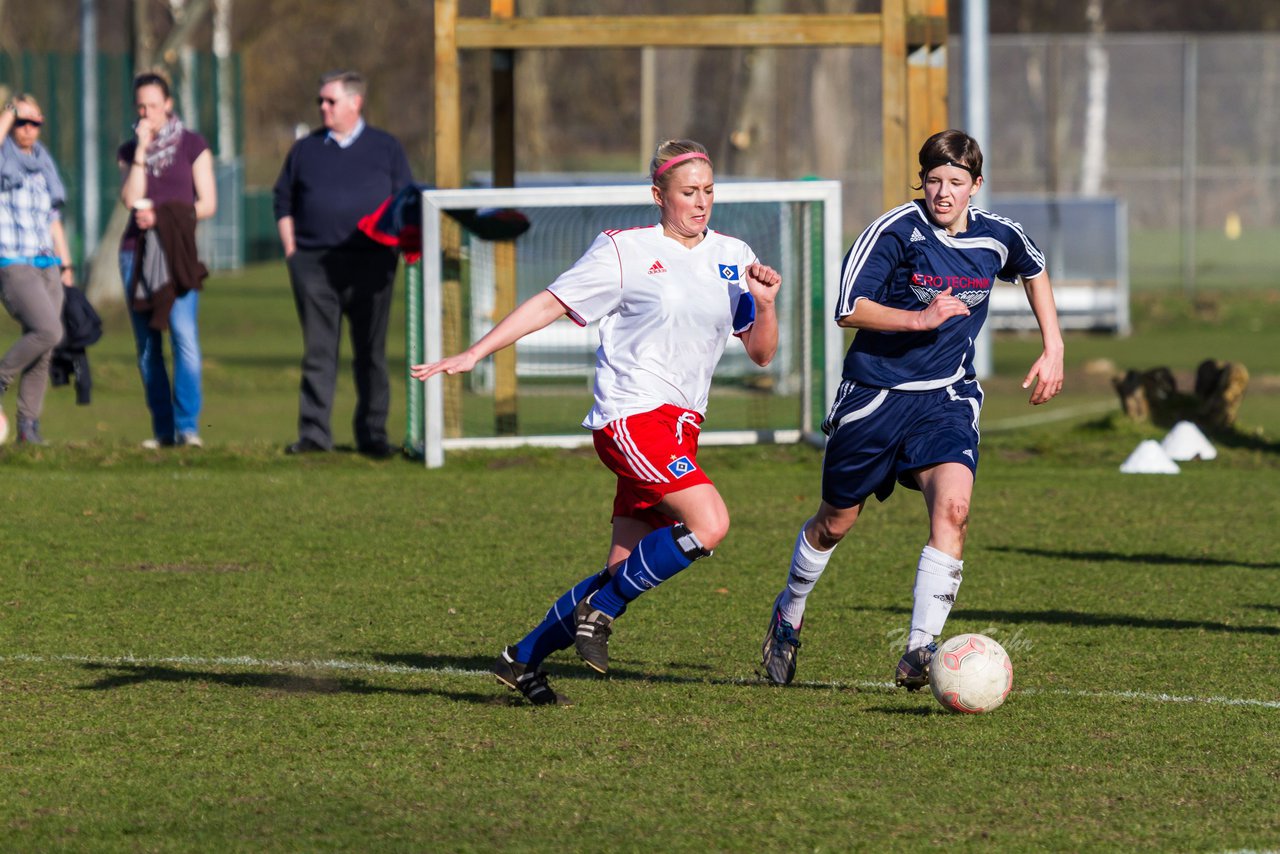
(555, 632)
(658, 557)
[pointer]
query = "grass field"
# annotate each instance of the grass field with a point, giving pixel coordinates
(237, 650)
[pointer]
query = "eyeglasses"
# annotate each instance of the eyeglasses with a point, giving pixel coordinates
(22, 123)
(323, 101)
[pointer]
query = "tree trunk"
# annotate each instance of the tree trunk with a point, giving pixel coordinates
(105, 287)
(143, 38)
(752, 149)
(533, 114)
(4, 38)
(226, 96)
(830, 111)
(1093, 158)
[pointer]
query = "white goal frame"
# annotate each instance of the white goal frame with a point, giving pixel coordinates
(436, 202)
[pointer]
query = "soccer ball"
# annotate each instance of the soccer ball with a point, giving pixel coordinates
(971, 673)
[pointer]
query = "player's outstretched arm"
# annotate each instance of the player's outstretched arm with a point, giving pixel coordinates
(530, 316)
(761, 340)
(1046, 375)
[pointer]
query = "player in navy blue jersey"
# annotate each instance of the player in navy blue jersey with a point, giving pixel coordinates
(915, 285)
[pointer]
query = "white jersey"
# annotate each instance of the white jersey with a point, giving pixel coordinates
(665, 313)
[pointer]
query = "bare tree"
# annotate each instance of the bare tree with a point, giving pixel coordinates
(533, 100)
(226, 94)
(1093, 161)
(753, 137)
(830, 106)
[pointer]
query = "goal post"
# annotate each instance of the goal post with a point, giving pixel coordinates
(793, 226)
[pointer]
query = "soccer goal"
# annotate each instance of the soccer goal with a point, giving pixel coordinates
(537, 393)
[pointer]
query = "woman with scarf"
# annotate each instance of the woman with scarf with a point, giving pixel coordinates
(165, 166)
(34, 261)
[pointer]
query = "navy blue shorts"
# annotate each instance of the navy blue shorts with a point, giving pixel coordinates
(877, 438)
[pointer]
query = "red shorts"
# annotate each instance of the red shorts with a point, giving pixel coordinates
(653, 454)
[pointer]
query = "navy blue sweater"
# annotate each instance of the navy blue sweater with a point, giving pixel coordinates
(327, 188)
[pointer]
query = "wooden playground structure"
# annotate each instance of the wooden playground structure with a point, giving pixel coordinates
(911, 35)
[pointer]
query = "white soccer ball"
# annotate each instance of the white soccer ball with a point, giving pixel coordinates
(971, 673)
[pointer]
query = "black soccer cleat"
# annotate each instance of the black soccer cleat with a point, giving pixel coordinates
(913, 668)
(778, 654)
(531, 683)
(592, 636)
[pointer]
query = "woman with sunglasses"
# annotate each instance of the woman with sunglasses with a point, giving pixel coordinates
(34, 262)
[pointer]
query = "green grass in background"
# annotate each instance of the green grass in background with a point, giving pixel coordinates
(1222, 263)
(252, 349)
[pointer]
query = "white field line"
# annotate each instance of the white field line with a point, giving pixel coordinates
(1144, 696)
(406, 669)
(1050, 415)
(245, 661)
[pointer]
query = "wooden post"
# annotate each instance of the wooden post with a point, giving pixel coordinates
(926, 75)
(893, 59)
(448, 135)
(938, 102)
(448, 105)
(919, 122)
(503, 113)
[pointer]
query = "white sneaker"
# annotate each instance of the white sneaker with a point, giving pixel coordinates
(150, 444)
(191, 440)
(4, 427)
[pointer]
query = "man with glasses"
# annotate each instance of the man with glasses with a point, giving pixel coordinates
(34, 261)
(331, 178)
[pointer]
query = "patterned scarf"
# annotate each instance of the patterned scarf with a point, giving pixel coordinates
(16, 164)
(164, 146)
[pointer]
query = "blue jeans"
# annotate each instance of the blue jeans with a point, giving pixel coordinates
(175, 411)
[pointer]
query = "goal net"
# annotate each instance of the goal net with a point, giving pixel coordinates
(537, 392)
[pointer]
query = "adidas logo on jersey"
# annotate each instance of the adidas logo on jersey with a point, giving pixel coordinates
(657, 268)
(916, 236)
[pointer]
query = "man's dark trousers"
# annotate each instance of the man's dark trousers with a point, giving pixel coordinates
(328, 283)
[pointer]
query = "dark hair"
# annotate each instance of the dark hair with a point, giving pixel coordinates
(150, 78)
(352, 81)
(951, 148)
(669, 150)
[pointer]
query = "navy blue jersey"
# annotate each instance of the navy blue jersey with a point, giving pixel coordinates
(903, 261)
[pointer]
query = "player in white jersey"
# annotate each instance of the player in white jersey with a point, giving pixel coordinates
(668, 297)
(915, 285)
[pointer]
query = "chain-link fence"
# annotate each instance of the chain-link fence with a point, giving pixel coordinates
(57, 82)
(1191, 144)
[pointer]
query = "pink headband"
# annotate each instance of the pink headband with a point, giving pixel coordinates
(679, 158)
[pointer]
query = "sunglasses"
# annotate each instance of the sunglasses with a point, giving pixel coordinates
(326, 101)
(22, 123)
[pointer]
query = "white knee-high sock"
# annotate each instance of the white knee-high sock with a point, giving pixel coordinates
(807, 564)
(938, 578)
